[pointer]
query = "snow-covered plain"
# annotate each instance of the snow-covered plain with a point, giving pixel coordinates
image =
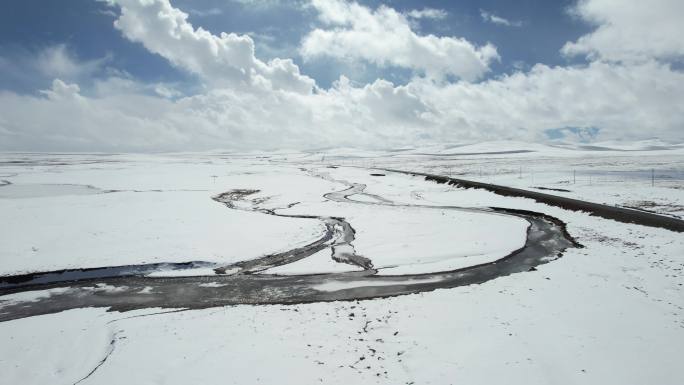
(148, 209)
(647, 175)
(608, 313)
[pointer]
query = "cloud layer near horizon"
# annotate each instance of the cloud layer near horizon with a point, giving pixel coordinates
(628, 89)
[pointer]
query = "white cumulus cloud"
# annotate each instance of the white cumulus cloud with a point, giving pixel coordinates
(224, 60)
(494, 19)
(248, 103)
(62, 90)
(384, 37)
(427, 13)
(630, 30)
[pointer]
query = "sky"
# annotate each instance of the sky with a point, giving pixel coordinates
(185, 75)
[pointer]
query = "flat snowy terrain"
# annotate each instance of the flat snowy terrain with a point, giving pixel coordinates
(610, 312)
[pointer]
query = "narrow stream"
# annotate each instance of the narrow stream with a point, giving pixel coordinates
(130, 287)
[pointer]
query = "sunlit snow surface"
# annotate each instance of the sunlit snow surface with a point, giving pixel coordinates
(159, 209)
(610, 313)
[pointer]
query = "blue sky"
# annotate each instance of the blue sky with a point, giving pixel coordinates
(158, 75)
(85, 27)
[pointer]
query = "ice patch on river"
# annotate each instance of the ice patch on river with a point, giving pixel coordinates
(343, 285)
(197, 272)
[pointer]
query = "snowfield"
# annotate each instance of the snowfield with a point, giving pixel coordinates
(146, 210)
(610, 312)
